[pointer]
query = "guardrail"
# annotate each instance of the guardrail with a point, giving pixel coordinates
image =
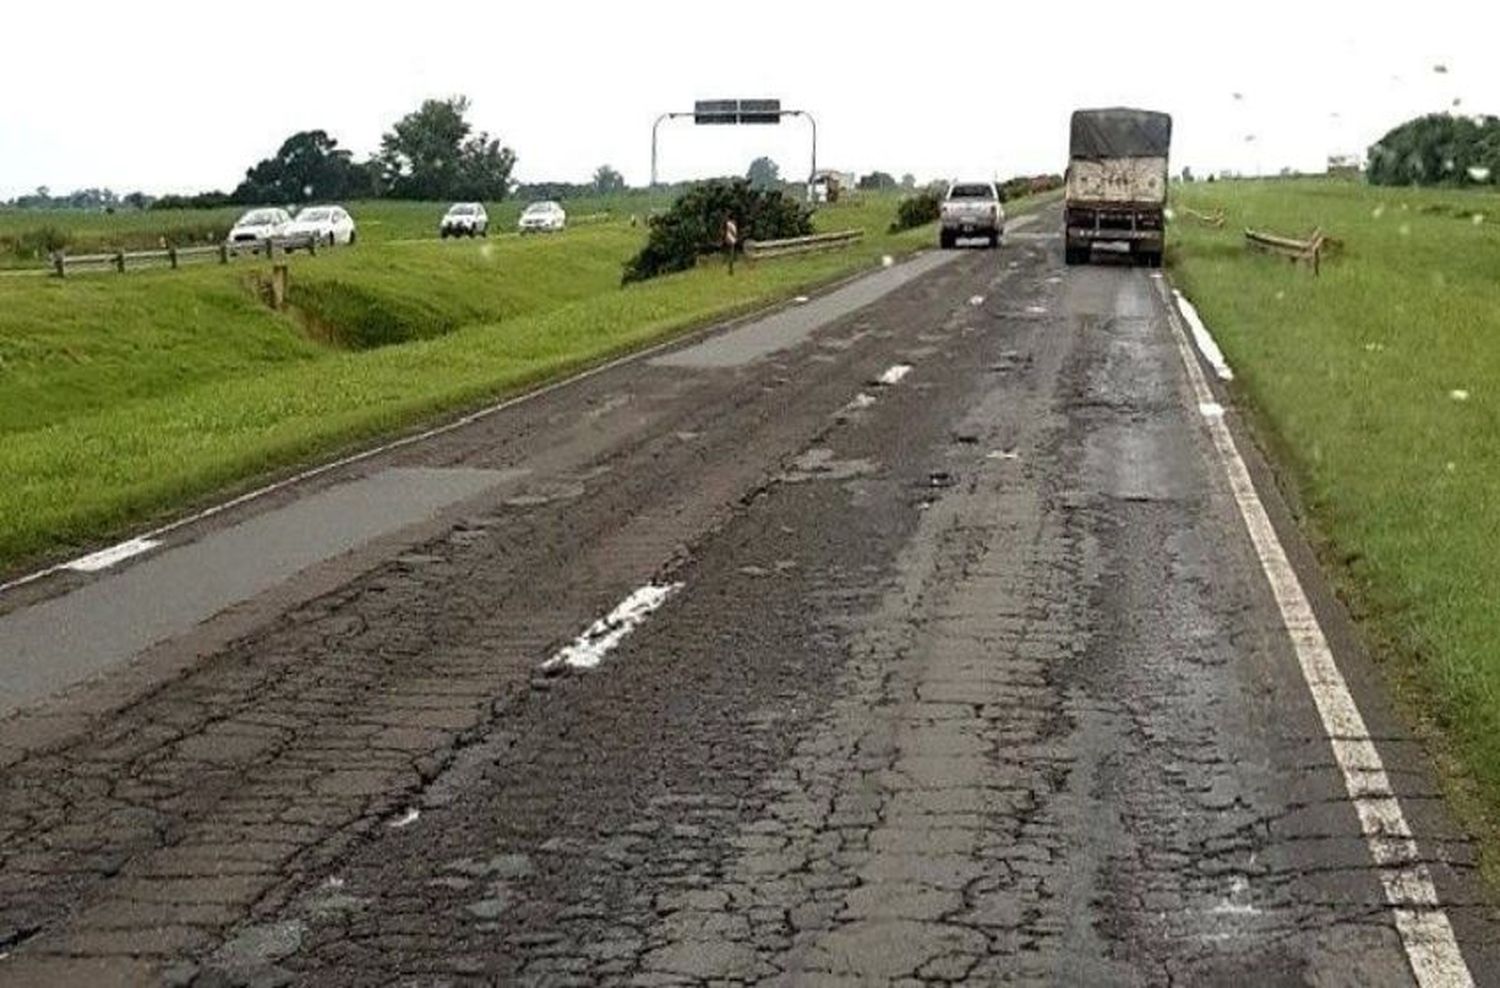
(1214, 219)
(1310, 250)
(756, 249)
(174, 257)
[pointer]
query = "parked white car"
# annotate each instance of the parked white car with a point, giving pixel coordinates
(258, 226)
(327, 224)
(542, 217)
(465, 219)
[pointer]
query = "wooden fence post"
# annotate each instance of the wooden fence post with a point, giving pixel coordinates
(59, 264)
(224, 253)
(278, 286)
(172, 256)
(120, 261)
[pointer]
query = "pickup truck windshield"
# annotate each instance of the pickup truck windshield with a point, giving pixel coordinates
(971, 192)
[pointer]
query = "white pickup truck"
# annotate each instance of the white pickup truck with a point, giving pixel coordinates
(971, 209)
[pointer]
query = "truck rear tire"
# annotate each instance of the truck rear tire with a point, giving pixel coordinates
(945, 240)
(1075, 255)
(994, 240)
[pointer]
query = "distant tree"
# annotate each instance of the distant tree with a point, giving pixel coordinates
(308, 165)
(1438, 149)
(908, 181)
(763, 173)
(202, 200)
(607, 181)
(878, 180)
(434, 153)
(91, 199)
(532, 191)
(1187, 173)
(138, 200)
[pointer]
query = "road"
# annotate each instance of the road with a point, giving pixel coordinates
(944, 651)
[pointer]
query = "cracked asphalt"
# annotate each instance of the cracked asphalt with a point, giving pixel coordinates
(972, 676)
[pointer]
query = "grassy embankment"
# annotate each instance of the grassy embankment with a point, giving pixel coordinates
(1377, 387)
(126, 397)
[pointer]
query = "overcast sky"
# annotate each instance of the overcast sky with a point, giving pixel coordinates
(163, 95)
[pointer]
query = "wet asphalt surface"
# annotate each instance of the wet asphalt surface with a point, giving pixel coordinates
(972, 677)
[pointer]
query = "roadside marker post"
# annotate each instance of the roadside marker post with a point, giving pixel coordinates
(278, 286)
(731, 239)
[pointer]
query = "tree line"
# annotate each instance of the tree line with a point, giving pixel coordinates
(1438, 149)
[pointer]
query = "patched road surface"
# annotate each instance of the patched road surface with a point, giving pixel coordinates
(912, 635)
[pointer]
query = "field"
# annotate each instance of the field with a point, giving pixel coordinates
(123, 397)
(1377, 387)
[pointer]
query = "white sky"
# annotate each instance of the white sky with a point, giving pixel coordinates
(164, 95)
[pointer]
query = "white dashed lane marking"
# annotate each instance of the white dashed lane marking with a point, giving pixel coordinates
(600, 638)
(105, 558)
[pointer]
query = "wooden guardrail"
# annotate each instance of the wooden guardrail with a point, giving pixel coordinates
(1310, 250)
(756, 249)
(174, 257)
(1214, 219)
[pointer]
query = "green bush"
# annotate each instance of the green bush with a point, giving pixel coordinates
(694, 225)
(918, 210)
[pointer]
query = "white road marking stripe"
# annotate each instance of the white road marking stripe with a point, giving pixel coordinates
(589, 649)
(1205, 340)
(105, 558)
(894, 374)
(1426, 933)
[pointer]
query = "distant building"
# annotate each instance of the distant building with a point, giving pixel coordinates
(1345, 165)
(829, 184)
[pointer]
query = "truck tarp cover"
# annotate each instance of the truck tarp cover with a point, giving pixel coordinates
(1120, 133)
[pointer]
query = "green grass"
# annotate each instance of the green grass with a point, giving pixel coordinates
(1357, 379)
(124, 397)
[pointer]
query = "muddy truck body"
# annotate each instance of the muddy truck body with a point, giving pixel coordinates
(1116, 191)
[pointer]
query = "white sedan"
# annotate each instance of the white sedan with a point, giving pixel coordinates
(542, 217)
(258, 226)
(326, 224)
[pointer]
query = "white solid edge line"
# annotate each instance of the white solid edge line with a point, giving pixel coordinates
(600, 638)
(1426, 933)
(438, 430)
(1207, 345)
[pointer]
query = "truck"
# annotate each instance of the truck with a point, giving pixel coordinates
(1116, 188)
(971, 209)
